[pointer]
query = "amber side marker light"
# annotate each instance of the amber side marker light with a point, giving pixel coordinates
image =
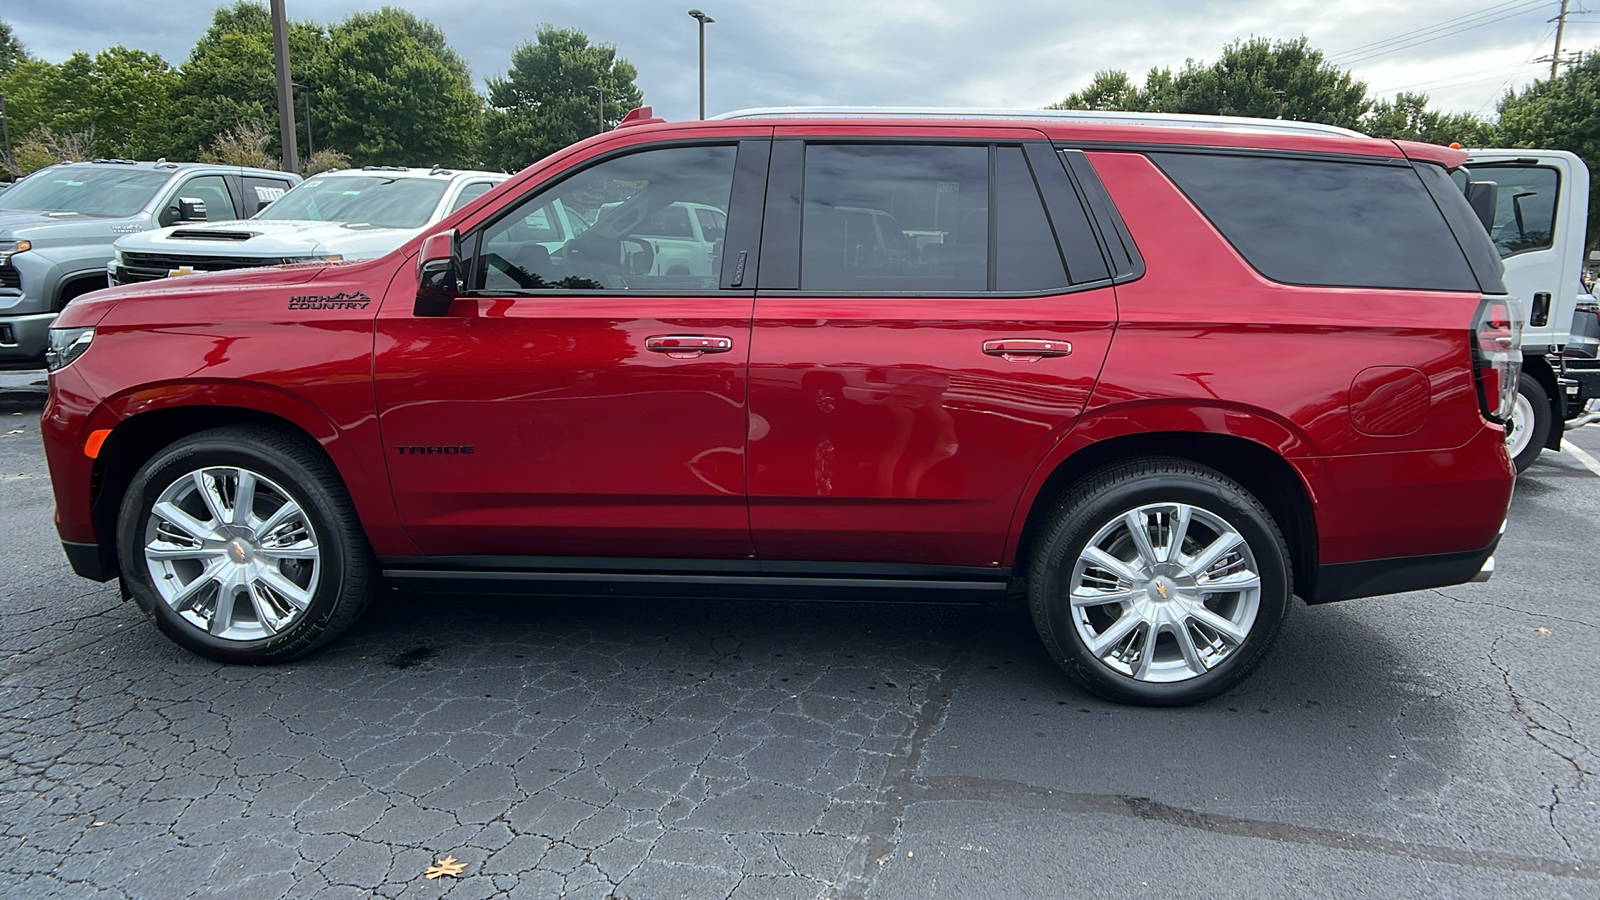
(1455, 145)
(97, 439)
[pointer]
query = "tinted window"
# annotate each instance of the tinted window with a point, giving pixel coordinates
(470, 193)
(1525, 206)
(258, 192)
(1318, 222)
(214, 191)
(641, 238)
(895, 218)
(1026, 255)
(113, 190)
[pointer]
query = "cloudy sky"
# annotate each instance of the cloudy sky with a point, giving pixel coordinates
(1015, 53)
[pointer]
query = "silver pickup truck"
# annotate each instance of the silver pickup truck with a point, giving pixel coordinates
(57, 227)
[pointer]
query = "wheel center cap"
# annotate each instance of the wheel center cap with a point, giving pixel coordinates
(1162, 589)
(238, 551)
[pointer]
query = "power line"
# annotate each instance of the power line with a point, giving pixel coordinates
(1489, 74)
(1428, 40)
(1427, 28)
(1507, 83)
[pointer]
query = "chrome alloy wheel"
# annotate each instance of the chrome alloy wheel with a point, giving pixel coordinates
(1165, 592)
(232, 553)
(1520, 429)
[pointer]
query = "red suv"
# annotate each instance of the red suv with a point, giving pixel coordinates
(1153, 375)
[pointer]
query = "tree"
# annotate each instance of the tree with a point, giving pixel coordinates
(122, 96)
(1408, 118)
(229, 80)
(1562, 113)
(391, 92)
(1243, 82)
(1111, 89)
(545, 102)
(11, 50)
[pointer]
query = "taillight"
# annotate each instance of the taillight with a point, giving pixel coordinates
(1497, 356)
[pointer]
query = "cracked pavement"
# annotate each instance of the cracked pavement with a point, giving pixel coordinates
(1435, 744)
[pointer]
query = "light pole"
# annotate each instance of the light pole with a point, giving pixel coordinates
(600, 106)
(280, 59)
(704, 21)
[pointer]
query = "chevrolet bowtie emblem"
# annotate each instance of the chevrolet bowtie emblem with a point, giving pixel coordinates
(1162, 590)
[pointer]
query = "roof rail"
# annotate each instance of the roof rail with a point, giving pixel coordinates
(1178, 120)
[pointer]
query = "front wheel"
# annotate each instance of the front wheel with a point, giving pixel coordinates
(243, 545)
(1159, 582)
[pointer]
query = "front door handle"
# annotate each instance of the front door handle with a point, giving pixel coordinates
(1026, 349)
(687, 346)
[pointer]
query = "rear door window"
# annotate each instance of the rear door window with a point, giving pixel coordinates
(870, 211)
(1325, 222)
(259, 192)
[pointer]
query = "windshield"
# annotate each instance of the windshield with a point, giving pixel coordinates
(379, 200)
(110, 191)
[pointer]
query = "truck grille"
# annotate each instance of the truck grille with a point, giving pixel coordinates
(10, 279)
(151, 266)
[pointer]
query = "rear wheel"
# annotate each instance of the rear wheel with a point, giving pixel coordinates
(1159, 582)
(1530, 423)
(242, 544)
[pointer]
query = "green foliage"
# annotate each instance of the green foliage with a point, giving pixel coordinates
(324, 161)
(1111, 89)
(544, 102)
(1560, 114)
(1407, 118)
(243, 145)
(121, 96)
(1242, 82)
(11, 50)
(44, 147)
(389, 98)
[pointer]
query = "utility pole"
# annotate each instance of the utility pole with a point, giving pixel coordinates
(1561, 26)
(280, 60)
(600, 106)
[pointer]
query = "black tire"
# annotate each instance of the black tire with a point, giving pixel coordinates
(1539, 431)
(347, 572)
(1103, 498)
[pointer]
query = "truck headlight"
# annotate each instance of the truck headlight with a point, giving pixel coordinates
(66, 345)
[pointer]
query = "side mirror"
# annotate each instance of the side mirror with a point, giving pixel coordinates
(1482, 195)
(438, 274)
(191, 209)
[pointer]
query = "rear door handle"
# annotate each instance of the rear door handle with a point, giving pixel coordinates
(1026, 349)
(687, 346)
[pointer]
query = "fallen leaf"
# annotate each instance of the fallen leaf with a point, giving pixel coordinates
(1542, 630)
(446, 866)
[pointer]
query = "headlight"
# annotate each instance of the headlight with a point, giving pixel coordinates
(11, 248)
(66, 345)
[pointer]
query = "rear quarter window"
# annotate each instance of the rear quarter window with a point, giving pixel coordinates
(1325, 223)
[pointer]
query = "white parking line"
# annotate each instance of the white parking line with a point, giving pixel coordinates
(1582, 456)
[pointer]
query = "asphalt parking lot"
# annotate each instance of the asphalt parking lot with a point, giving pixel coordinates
(1435, 744)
